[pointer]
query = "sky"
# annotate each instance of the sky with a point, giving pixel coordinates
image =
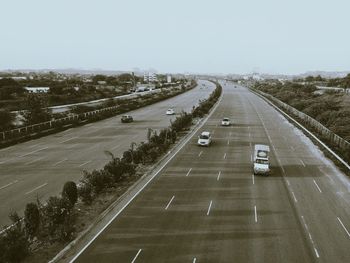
(176, 36)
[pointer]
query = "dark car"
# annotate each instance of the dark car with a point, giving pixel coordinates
(127, 118)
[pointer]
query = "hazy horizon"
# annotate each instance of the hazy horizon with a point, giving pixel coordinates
(221, 37)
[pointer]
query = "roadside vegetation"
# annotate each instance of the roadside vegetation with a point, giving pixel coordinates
(48, 226)
(330, 108)
(68, 89)
(79, 115)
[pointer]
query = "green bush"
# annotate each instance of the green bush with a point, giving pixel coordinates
(14, 245)
(56, 217)
(85, 193)
(31, 219)
(70, 192)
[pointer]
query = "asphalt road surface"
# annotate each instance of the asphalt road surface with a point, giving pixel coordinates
(39, 168)
(206, 206)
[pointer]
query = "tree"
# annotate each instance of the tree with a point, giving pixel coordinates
(14, 244)
(37, 109)
(98, 77)
(31, 219)
(57, 217)
(6, 119)
(70, 192)
(85, 193)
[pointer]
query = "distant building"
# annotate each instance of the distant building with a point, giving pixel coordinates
(101, 82)
(149, 77)
(37, 89)
(168, 79)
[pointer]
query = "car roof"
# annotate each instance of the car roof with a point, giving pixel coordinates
(205, 133)
(262, 147)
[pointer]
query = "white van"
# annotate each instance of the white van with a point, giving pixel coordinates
(204, 139)
(261, 164)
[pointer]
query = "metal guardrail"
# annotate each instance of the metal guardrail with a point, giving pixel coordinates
(320, 128)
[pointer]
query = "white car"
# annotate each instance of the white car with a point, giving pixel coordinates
(204, 139)
(225, 122)
(170, 112)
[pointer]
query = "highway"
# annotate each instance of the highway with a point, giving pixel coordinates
(39, 168)
(206, 206)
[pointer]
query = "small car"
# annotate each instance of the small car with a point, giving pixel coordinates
(204, 139)
(225, 122)
(126, 119)
(170, 112)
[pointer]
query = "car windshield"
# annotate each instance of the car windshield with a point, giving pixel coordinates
(262, 161)
(205, 137)
(226, 119)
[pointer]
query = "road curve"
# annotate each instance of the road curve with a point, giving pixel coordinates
(40, 167)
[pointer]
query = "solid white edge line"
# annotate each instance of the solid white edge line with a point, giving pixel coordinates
(295, 199)
(211, 202)
(194, 260)
(316, 252)
(319, 189)
(150, 179)
(302, 217)
(189, 171)
(166, 208)
(200, 153)
(347, 232)
(138, 253)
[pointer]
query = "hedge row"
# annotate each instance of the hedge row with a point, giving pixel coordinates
(54, 221)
